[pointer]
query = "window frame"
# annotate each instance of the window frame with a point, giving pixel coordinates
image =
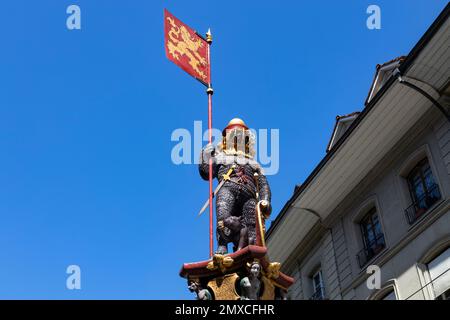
(388, 287)
(386, 294)
(427, 256)
(446, 293)
(429, 193)
(321, 286)
(378, 243)
(356, 242)
(404, 170)
(418, 170)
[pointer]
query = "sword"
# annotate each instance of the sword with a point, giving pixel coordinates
(225, 178)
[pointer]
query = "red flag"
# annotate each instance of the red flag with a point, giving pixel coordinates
(186, 48)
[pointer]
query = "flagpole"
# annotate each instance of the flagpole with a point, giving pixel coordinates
(210, 92)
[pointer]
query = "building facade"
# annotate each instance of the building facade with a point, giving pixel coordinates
(377, 207)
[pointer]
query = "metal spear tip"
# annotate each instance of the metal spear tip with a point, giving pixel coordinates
(209, 36)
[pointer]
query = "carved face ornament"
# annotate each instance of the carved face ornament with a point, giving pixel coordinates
(255, 269)
(193, 286)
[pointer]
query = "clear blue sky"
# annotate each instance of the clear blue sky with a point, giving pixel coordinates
(86, 117)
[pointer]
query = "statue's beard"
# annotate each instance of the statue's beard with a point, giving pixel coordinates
(239, 143)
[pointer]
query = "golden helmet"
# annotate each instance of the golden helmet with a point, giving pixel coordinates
(234, 123)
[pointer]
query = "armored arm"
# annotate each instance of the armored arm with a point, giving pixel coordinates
(203, 167)
(264, 192)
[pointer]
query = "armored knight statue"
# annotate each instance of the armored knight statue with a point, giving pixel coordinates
(242, 184)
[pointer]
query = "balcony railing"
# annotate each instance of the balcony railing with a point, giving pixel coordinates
(371, 250)
(421, 206)
(318, 295)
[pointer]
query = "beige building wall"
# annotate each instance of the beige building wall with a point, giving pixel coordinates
(402, 261)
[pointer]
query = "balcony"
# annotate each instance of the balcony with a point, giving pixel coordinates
(371, 250)
(421, 206)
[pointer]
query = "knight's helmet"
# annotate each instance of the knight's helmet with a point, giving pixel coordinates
(238, 139)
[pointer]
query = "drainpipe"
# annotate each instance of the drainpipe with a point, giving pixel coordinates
(396, 73)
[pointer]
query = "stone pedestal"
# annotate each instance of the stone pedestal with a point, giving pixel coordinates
(222, 275)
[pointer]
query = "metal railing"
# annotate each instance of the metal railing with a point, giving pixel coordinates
(418, 208)
(371, 250)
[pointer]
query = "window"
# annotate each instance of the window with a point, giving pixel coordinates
(373, 237)
(389, 296)
(439, 269)
(317, 282)
(444, 296)
(423, 189)
(386, 292)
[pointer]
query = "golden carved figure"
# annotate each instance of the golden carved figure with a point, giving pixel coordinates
(273, 270)
(220, 262)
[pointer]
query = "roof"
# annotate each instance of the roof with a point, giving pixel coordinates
(398, 59)
(348, 115)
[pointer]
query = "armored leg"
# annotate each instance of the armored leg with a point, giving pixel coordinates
(249, 211)
(225, 203)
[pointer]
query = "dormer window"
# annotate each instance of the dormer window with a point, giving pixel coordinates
(342, 125)
(382, 75)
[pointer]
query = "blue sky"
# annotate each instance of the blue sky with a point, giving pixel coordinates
(86, 117)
